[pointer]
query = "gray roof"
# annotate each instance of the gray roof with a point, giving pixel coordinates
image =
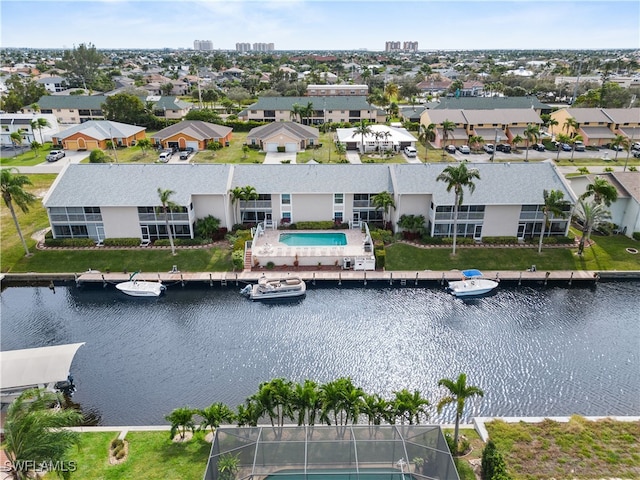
(309, 178)
(120, 185)
(582, 115)
(195, 129)
(345, 102)
(296, 129)
(101, 130)
(94, 102)
(490, 103)
(502, 116)
(499, 183)
(623, 115)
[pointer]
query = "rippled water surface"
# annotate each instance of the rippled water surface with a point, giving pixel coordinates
(534, 351)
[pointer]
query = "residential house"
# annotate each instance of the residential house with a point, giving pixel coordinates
(458, 136)
(109, 201)
(491, 103)
(193, 134)
(21, 123)
(625, 211)
(96, 133)
(381, 138)
(290, 136)
(330, 90)
(598, 126)
(326, 109)
(53, 84)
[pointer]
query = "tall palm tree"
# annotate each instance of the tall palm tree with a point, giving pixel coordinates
(531, 135)
(391, 91)
(374, 407)
(592, 215)
(561, 138)
(459, 392)
(362, 129)
(307, 112)
(38, 124)
(426, 134)
(554, 204)
(475, 142)
(214, 415)
(296, 112)
(167, 206)
(35, 433)
(306, 402)
(236, 195)
(447, 127)
(573, 140)
(12, 187)
(457, 177)
(383, 201)
(517, 140)
(16, 139)
(602, 191)
(620, 141)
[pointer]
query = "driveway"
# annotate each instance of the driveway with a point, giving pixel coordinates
(55, 167)
(273, 158)
(353, 157)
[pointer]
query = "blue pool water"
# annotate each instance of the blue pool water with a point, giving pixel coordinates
(329, 239)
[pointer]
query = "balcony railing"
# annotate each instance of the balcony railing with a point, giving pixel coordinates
(255, 204)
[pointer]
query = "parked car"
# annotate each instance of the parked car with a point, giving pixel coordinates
(464, 149)
(503, 147)
(450, 148)
(538, 147)
(410, 151)
(635, 146)
(489, 148)
(565, 147)
(55, 155)
(579, 146)
(619, 148)
(165, 156)
(185, 154)
(636, 154)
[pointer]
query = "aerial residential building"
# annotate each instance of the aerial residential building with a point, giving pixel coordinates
(243, 47)
(21, 123)
(263, 47)
(203, 45)
(331, 90)
(598, 126)
(410, 46)
(392, 46)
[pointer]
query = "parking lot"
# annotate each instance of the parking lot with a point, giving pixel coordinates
(534, 155)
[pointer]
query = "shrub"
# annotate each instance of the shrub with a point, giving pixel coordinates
(270, 265)
(493, 464)
(120, 455)
(426, 239)
(181, 242)
(237, 257)
(636, 236)
(321, 225)
(385, 236)
(557, 240)
(459, 241)
(69, 242)
(499, 240)
(115, 443)
(97, 156)
(215, 146)
(381, 257)
(121, 242)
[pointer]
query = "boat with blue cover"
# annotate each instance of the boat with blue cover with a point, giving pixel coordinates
(473, 283)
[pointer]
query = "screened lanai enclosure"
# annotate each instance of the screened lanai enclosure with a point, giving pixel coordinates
(353, 452)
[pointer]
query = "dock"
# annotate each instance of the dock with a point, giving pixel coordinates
(380, 277)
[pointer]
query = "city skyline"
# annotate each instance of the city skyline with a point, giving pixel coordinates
(323, 25)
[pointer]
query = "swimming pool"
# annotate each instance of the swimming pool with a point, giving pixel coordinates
(323, 239)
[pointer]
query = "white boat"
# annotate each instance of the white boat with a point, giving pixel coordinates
(268, 289)
(472, 283)
(140, 288)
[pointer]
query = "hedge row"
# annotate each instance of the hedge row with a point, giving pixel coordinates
(69, 242)
(181, 242)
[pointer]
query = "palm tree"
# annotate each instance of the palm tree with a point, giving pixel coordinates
(16, 139)
(592, 215)
(554, 204)
(375, 408)
(306, 401)
(456, 178)
(144, 144)
(619, 141)
(11, 185)
(447, 127)
(36, 146)
(38, 124)
(214, 415)
(517, 140)
(602, 191)
(573, 140)
(35, 433)
(426, 135)
(409, 406)
(181, 419)
(236, 195)
(383, 201)
(561, 138)
(531, 135)
(391, 91)
(362, 129)
(459, 392)
(475, 141)
(308, 112)
(571, 125)
(228, 466)
(167, 205)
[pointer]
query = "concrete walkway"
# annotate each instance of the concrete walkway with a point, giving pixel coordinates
(274, 158)
(353, 157)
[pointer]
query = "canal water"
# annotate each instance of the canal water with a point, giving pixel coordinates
(535, 351)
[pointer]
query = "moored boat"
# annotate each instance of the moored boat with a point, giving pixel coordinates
(473, 283)
(269, 289)
(140, 288)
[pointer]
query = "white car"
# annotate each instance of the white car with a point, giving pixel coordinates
(165, 156)
(464, 149)
(55, 155)
(410, 151)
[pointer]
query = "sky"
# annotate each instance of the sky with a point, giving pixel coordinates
(322, 24)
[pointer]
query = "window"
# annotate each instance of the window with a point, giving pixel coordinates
(338, 217)
(338, 198)
(286, 199)
(286, 217)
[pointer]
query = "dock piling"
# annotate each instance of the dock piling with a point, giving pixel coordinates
(339, 278)
(442, 281)
(314, 278)
(571, 278)
(104, 282)
(181, 280)
(365, 277)
(520, 279)
(416, 278)
(391, 278)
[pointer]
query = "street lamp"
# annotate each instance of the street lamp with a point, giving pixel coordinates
(633, 136)
(495, 145)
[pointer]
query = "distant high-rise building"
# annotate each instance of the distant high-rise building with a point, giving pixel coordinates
(392, 46)
(263, 47)
(410, 46)
(243, 47)
(202, 45)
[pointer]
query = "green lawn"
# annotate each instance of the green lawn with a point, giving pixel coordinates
(579, 449)
(27, 159)
(151, 455)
